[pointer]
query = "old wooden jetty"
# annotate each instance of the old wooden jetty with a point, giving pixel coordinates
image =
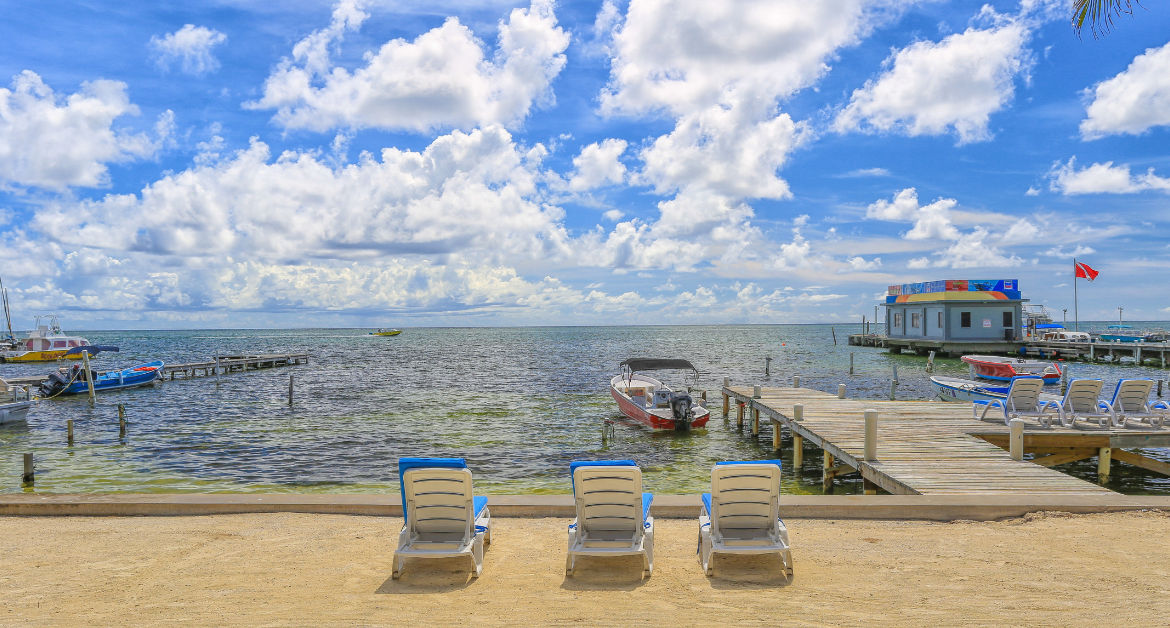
(926, 447)
(222, 364)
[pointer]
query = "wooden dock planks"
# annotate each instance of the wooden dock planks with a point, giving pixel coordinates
(924, 447)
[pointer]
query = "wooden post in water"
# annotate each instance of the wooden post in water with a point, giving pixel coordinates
(290, 390)
(726, 399)
(1104, 456)
(840, 391)
(893, 390)
(869, 487)
(871, 417)
(850, 363)
(826, 478)
(739, 416)
(755, 420)
(121, 421)
(930, 363)
(797, 452)
(768, 365)
(1160, 387)
(796, 381)
(88, 378)
(29, 475)
(834, 330)
(1016, 439)
(69, 431)
(775, 434)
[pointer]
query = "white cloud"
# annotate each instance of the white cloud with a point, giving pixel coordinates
(613, 215)
(440, 79)
(632, 246)
(931, 221)
(950, 86)
(1102, 179)
(1132, 102)
(53, 141)
(190, 46)
(1032, 191)
(867, 172)
(795, 254)
(598, 165)
(1058, 251)
(971, 251)
(1021, 232)
(859, 264)
(470, 193)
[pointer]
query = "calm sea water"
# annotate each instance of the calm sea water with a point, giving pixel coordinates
(518, 403)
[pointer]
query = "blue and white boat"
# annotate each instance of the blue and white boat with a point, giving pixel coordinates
(1121, 333)
(954, 389)
(74, 380)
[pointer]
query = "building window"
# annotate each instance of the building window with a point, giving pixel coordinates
(1007, 319)
(897, 321)
(940, 320)
(914, 320)
(964, 319)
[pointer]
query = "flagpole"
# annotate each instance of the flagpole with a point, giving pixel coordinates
(1076, 310)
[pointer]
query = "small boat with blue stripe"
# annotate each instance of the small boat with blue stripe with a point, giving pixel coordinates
(954, 389)
(75, 380)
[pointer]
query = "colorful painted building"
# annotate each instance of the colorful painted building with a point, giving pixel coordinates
(973, 310)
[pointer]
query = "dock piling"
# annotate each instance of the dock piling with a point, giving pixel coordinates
(755, 421)
(88, 374)
(1104, 457)
(840, 391)
(850, 363)
(290, 390)
(893, 390)
(776, 433)
(827, 473)
(871, 417)
(929, 363)
(69, 431)
(755, 392)
(121, 421)
(798, 412)
(1016, 439)
(1160, 387)
(767, 365)
(28, 477)
(797, 453)
(834, 330)
(739, 416)
(796, 381)
(726, 399)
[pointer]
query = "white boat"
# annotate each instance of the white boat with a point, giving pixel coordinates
(651, 402)
(47, 343)
(14, 403)
(954, 389)
(1004, 369)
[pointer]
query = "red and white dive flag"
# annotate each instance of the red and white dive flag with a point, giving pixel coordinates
(1083, 270)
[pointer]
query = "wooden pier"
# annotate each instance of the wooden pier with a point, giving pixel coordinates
(1154, 353)
(223, 365)
(937, 448)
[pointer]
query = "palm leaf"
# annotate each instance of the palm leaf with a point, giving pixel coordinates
(1099, 14)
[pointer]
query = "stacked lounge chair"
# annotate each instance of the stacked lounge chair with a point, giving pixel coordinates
(741, 514)
(443, 517)
(613, 514)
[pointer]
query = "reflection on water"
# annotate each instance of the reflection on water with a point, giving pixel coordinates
(518, 403)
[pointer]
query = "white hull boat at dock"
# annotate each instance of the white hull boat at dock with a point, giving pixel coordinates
(651, 402)
(954, 389)
(14, 403)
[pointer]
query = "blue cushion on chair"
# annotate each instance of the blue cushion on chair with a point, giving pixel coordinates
(707, 503)
(406, 464)
(647, 498)
(726, 462)
(479, 504)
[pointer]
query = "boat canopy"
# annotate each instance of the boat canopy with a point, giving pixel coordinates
(657, 364)
(1050, 326)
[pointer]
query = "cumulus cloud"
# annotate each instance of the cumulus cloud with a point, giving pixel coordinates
(53, 141)
(190, 47)
(858, 264)
(931, 221)
(1134, 101)
(1102, 179)
(1022, 231)
(972, 250)
(441, 79)
(466, 192)
(598, 165)
(950, 86)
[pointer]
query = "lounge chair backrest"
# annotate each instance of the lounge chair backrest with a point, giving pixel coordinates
(608, 498)
(4, 387)
(1024, 395)
(1132, 395)
(744, 499)
(437, 495)
(1082, 395)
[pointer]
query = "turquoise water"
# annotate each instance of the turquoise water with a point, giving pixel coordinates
(518, 403)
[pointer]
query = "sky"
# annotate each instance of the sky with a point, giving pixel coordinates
(391, 163)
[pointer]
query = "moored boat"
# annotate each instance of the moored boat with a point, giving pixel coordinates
(47, 343)
(1121, 333)
(651, 402)
(954, 389)
(386, 332)
(1004, 369)
(74, 380)
(14, 403)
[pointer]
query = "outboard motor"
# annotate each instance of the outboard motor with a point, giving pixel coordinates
(56, 382)
(680, 407)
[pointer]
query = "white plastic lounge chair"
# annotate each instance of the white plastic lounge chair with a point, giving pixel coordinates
(443, 517)
(1131, 400)
(1023, 401)
(741, 514)
(613, 514)
(1081, 401)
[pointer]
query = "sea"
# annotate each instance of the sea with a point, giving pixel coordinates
(518, 403)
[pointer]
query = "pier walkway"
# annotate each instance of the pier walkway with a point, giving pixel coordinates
(223, 364)
(937, 448)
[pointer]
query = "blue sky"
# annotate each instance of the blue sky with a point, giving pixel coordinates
(388, 163)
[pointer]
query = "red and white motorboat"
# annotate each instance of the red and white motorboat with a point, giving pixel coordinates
(653, 403)
(1004, 369)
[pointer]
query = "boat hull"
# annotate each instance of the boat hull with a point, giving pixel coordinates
(11, 413)
(40, 356)
(965, 390)
(385, 333)
(1004, 369)
(141, 375)
(657, 418)
(1120, 338)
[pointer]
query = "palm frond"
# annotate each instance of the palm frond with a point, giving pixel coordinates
(1099, 14)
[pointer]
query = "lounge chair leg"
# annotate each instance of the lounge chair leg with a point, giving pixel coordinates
(568, 564)
(397, 573)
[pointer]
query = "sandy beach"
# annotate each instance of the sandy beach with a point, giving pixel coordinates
(1046, 569)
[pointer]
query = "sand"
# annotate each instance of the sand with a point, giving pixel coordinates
(1046, 569)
